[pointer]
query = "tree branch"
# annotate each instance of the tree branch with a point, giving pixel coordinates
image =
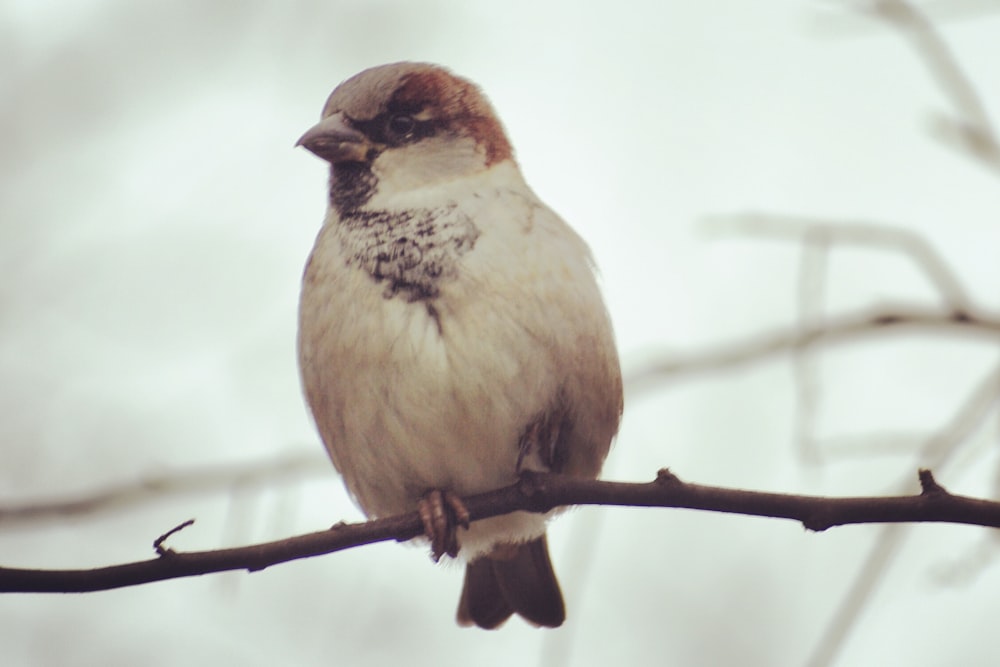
(535, 492)
(834, 329)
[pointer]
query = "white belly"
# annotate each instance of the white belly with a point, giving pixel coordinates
(411, 396)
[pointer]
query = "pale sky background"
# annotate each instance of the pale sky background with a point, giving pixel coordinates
(154, 221)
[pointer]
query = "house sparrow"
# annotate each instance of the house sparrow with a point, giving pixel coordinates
(451, 331)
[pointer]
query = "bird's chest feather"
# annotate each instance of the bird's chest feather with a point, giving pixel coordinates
(417, 364)
(409, 253)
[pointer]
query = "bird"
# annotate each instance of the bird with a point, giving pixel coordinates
(452, 332)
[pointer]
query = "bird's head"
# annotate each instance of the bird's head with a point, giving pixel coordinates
(403, 126)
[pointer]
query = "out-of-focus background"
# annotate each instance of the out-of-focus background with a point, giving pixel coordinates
(154, 221)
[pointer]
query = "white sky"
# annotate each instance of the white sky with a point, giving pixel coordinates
(154, 220)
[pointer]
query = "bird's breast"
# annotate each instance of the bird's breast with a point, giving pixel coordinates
(416, 377)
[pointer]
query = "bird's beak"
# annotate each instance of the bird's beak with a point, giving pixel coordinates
(334, 140)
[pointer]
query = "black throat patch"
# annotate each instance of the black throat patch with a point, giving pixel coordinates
(413, 252)
(352, 184)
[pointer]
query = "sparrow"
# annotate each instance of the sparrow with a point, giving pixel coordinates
(452, 334)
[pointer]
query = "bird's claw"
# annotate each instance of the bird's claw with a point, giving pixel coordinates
(442, 512)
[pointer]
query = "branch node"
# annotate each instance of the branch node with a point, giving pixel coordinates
(817, 522)
(158, 543)
(886, 320)
(667, 478)
(961, 316)
(929, 486)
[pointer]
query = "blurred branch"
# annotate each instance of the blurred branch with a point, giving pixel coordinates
(187, 481)
(940, 12)
(835, 329)
(957, 314)
(534, 492)
(973, 131)
(822, 233)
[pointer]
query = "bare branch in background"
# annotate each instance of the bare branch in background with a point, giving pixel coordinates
(184, 481)
(849, 327)
(972, 132)
(824, 233)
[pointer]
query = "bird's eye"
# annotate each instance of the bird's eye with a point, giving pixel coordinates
(402, 124)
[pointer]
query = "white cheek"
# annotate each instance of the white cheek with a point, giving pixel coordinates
(402, 171)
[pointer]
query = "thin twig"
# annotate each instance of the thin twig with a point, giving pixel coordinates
(158, 542)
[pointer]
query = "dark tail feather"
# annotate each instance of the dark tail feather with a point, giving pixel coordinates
(514, 578)
(482, 602)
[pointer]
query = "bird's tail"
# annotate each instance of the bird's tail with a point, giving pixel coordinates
(512, 579)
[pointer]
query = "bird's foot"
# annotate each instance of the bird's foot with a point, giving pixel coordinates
(442, 513)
